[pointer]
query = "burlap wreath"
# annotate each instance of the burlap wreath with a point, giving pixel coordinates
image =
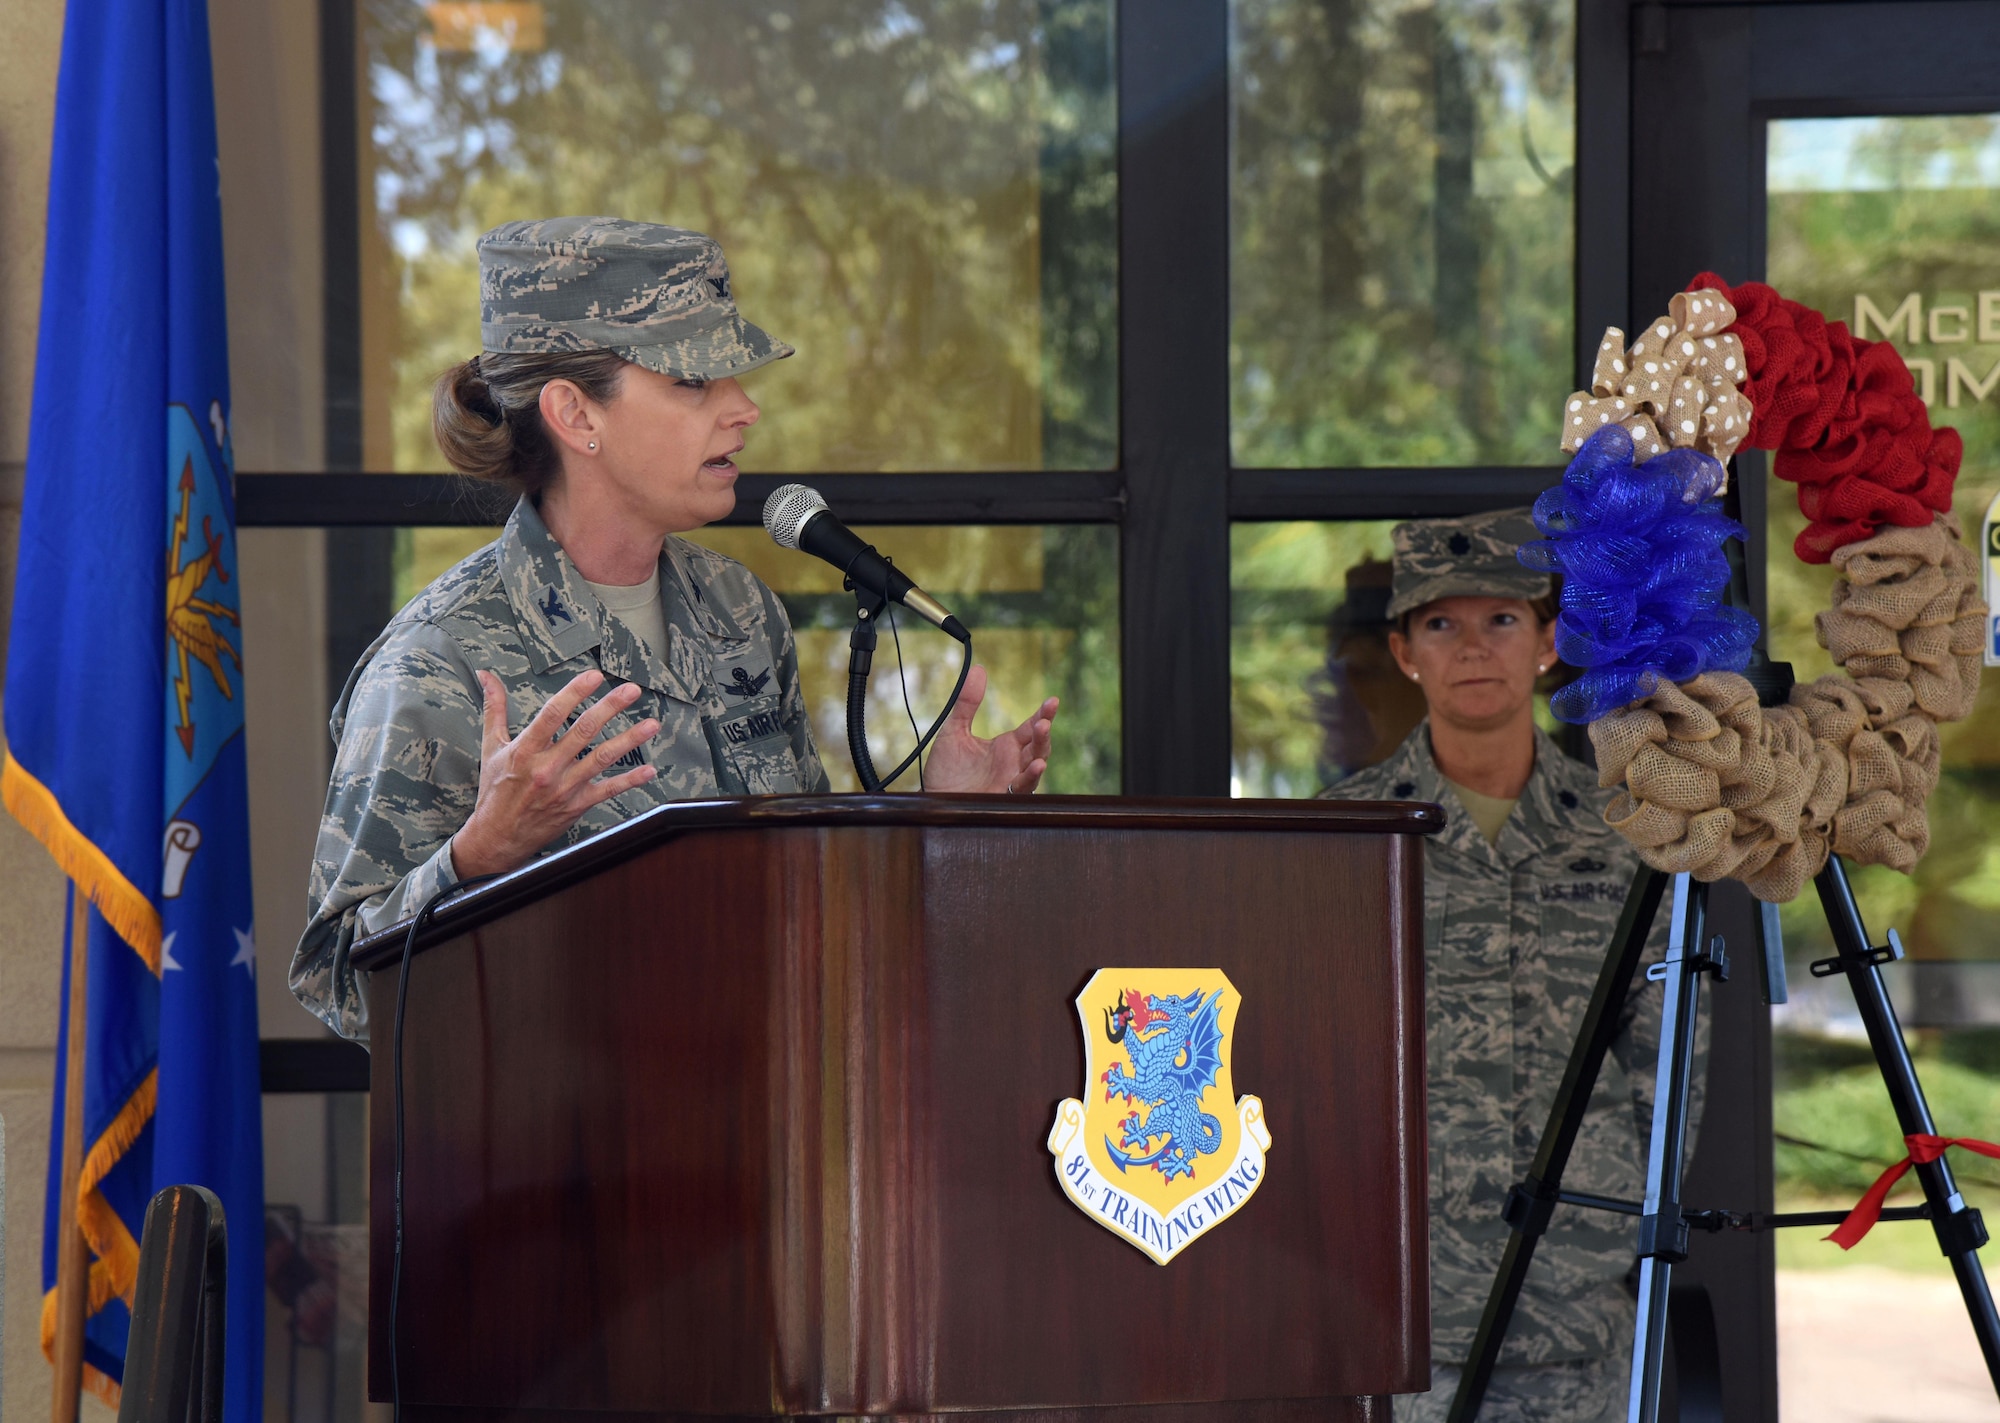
(1715, 785)
(1708, 781)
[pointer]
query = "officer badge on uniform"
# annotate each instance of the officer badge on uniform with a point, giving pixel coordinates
(742, 684)
(1161, 1149)
(551, 606)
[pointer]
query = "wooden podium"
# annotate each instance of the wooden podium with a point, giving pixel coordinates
(740, 1110)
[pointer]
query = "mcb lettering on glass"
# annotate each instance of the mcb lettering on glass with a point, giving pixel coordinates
(1911, 321)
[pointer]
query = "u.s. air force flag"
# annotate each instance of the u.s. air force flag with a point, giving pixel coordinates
(126, 609)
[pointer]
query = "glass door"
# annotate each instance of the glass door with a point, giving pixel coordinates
(1849, 155)
(1891, 223)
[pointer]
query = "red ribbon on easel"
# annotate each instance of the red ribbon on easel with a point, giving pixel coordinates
(1924, 1149)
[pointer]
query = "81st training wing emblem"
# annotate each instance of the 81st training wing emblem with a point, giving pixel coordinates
(1161, 1149)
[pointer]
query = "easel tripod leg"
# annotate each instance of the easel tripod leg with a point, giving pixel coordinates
(1532, 1202)
(1663, 1228)
(1960, 1231)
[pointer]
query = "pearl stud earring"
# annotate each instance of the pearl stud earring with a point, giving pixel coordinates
(593, 444)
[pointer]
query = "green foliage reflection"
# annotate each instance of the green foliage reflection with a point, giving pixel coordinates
(921, 199)
(1403, 196)
(1309, 669)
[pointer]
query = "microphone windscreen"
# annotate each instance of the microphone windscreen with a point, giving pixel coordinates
(786, 512)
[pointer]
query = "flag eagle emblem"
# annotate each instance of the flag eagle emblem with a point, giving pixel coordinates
(191, 619)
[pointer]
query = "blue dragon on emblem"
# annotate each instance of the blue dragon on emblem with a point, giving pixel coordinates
(1170, 1071)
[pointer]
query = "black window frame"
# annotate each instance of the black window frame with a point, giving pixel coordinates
(1174, 493)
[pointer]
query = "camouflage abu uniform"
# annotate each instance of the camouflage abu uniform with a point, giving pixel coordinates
(1515, 933)
(725, 688)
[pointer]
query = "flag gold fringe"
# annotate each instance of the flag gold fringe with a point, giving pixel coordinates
(117, 1139)
(101, 1293)
(103, 1385)
(95, 1379)
(115, 1271)
(124, 907)
(109, 1236)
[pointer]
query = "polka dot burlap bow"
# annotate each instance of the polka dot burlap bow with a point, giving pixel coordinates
(1674, 389)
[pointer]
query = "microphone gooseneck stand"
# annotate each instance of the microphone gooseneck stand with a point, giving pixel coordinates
(869, 606)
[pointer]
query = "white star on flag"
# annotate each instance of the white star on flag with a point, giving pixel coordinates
(167, 959)
(246, 952)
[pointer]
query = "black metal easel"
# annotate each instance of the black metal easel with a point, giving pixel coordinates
(1664, 1222)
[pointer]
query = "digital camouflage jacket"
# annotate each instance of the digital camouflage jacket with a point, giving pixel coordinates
(1515, 934)
(407, 727)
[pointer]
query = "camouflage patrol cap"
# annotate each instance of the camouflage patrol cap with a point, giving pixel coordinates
(658, 296)
(1472, 557)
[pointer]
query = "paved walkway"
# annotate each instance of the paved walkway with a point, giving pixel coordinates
(1869, 1345)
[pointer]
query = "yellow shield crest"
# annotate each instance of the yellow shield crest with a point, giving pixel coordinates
(1160, 1149)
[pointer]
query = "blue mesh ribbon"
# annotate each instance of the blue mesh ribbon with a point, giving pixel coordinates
(1639, 548)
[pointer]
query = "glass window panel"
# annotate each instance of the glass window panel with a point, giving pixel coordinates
(1893, 226)
(315, 1251)
(1403, 205)
(1041, 601)
(269, 136)
(1314, 694)
(922, 199)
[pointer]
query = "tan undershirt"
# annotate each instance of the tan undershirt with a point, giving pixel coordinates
(637, 606)
(1488, 812)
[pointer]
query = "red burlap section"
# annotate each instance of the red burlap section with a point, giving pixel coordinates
(1844, 418)
(1712, 784)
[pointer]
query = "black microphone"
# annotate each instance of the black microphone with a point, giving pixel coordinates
(797, 518)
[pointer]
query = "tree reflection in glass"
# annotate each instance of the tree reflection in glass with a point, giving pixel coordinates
(1402, 190)
(922, 199)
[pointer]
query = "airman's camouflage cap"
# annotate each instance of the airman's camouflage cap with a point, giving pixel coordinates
(1471, 557)
(656, 295)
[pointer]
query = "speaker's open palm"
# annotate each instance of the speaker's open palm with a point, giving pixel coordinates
(1011, 762)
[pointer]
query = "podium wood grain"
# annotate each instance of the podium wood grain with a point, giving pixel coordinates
(740, 1110)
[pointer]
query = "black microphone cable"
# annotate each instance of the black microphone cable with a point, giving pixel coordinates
(417, 924)
(903, 682)
(792, 518)
(857, 695)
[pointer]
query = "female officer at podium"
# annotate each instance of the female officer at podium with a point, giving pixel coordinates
(1522, 890)
(588, 665)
